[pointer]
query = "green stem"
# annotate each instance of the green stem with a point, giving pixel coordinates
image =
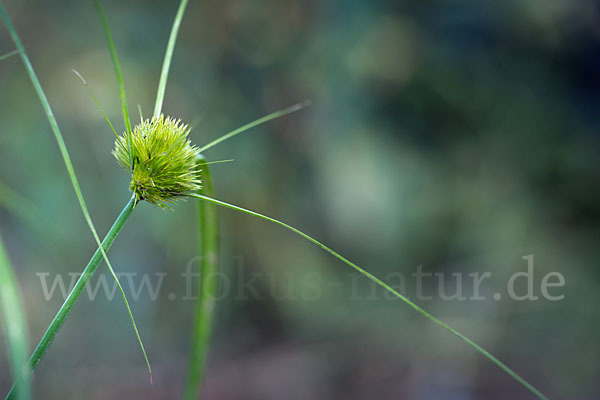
(69, 303)
(209, 266)
(388, 288)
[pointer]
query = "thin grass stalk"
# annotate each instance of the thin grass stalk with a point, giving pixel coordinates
(208, 229)
(388, 288)
(15, 327)
(72, 298)
(164, 73)
(117, 66)
(259, 121)
(9, 54)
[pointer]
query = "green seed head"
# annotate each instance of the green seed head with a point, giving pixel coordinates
(162, 160)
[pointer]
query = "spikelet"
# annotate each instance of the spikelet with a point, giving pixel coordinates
(163, 162)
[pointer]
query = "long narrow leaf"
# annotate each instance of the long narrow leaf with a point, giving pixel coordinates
(164, 73)
(14, 325)
(65, 155)
(9, 54)
(96, 101)
(262, 120)
(208, 229)
(387, 287)
(117, 66)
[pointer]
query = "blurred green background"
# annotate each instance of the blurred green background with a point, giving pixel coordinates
(458, 136)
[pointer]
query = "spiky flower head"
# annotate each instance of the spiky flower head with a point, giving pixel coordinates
(162, 160)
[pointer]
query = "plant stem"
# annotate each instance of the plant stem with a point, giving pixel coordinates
(208, 227)
(69, 303)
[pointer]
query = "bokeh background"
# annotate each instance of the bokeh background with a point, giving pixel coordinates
(458, 136)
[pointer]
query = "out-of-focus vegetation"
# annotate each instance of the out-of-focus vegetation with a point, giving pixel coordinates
(460, 136)
(14, 325)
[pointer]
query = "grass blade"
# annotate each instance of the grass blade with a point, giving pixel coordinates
(9, 54)
(115, 59)
(96, 101)
(164, 73)
(214, 162)
(262, 120)
(14, 325)
(63, 149)
(208, 228)
(388, 288)
(137, 333)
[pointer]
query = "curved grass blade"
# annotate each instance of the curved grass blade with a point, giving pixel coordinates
(9, 54)
(262, 120)
(64, 153)
(96, 101)
(208, 228)
(137, 333)
(388, 288)
(14, 325)
(164, 73)
(115, 59)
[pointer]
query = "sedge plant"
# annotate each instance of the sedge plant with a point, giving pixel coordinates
(165, 167)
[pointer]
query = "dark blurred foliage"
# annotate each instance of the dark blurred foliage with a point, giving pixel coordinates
(456, 135)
